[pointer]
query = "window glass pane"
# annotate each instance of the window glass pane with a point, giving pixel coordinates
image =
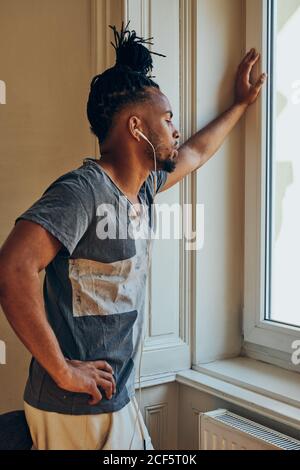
(284, 254)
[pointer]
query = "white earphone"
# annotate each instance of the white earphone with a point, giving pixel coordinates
(154, 154)
(149, 261)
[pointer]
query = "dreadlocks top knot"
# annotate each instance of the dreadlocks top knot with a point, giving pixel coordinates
(130, 51)
(124, 84)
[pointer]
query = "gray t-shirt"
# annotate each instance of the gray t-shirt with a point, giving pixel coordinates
(94, 288)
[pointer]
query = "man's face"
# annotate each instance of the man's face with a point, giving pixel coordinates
(161, 132)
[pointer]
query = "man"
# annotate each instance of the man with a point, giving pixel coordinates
(85, 332)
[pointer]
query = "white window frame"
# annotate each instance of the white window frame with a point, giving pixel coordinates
(260, 335)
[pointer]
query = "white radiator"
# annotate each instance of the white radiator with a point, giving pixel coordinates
(223, 430)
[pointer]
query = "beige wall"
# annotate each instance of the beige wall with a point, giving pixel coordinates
(45, 50)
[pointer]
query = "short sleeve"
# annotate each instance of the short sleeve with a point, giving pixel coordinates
(64, 210)
(161, 176)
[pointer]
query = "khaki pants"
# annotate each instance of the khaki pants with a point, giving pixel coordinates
(105, 431)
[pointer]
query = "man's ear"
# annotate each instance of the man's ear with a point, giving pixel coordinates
(134, 124)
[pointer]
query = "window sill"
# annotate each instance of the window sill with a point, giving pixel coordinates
(262, 388)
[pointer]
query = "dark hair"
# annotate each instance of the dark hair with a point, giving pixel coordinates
(122, 84)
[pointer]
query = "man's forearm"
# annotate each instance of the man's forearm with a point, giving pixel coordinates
(22, 303)
(208, 140)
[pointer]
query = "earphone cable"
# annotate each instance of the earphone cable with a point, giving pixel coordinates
(149, 259)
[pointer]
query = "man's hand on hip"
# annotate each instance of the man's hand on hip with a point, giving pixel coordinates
(85, 376)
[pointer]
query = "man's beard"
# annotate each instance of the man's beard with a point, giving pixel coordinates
(168, 165)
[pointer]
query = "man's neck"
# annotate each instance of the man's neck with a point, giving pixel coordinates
(128, 175)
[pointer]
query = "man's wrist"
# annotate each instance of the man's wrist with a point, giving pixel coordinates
(62, 373)
(242, 105)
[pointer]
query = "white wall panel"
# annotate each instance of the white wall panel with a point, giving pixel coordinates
(168, 344)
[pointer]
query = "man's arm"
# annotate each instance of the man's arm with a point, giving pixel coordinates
(201, 146)
(28, 249)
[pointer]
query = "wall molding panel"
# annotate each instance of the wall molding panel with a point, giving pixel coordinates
(156, 420)
(168, 342)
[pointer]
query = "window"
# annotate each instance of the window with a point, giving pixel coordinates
(272, 221)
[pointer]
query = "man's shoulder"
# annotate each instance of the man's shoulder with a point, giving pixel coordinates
(83, 179)
(155, 181)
